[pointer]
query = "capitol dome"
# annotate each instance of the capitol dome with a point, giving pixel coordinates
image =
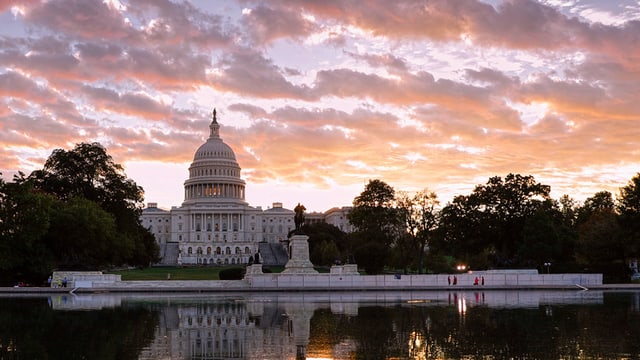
(214, 174)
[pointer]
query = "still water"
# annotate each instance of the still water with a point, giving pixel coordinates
(360, 325)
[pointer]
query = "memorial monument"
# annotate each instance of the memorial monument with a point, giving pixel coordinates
(299, 262)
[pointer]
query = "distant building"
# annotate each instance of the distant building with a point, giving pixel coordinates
(214, 224)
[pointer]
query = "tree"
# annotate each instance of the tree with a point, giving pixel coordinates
(491, 219)
(24, 219)
(376, 221)
(629, 216)
(507, 204)
(91, 242)
(88, 172)
(599, 202)
(326, 243)
(373, 210)
(463, 231)
(599, 241)
(420, 216)
(600, 244)
(546, 238)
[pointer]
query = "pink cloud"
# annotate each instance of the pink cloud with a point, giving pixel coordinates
(266, 24)
(250, 73)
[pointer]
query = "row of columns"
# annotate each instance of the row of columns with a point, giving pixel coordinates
(213, 190)
(216, 222)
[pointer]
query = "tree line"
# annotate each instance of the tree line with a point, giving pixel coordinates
(509, 222)
(78, 212)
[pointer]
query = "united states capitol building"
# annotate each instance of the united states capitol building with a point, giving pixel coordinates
(215, 225)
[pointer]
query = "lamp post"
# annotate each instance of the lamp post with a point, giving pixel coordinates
(547, 265)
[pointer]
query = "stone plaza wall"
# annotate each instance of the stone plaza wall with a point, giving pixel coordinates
(84, 279)
(341, 278)
(398, 282)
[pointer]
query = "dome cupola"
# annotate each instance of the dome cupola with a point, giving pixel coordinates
(214, 174)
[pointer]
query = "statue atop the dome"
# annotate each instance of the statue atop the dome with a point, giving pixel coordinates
(299, 217)
(214, 117)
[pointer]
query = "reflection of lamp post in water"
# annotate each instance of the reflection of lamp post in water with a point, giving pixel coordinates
(547, 265)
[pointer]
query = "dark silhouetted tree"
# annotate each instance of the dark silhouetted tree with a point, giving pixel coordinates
(87, 171)
(24, 220)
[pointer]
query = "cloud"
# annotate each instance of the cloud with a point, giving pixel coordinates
(250, 73)
(389, 61)
(81, 19)
(266, 25)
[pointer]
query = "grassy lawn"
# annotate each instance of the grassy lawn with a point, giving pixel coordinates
(177, 273)
(184, 273)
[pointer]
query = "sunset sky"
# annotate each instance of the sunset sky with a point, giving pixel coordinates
(318, 97)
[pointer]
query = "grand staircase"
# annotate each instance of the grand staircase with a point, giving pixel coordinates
(169, 253)
(273, 254)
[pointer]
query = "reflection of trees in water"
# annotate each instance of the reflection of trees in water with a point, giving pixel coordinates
(38, 332)
(427, 332)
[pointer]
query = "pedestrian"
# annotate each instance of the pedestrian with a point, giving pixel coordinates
(475, 282)
(449, 280)
(49, 281)
(64, 282)
(59, 283)
(482, 280)
(455, 280)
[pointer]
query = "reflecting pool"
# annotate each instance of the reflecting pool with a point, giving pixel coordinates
(490, 324)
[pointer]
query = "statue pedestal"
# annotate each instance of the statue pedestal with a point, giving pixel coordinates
(299, 262)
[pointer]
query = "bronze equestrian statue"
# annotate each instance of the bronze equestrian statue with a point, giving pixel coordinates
(299, 217)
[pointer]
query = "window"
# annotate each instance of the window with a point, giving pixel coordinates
(228, 251)
(208, 250)
(189, 250)
(218, 250)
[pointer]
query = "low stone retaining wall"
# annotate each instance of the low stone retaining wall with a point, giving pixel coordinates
(84, 279)
(342, 279)
(387, 282)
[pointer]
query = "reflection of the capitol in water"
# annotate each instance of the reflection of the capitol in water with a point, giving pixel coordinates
(277, 325)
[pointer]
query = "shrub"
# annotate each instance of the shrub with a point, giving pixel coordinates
(231, 274)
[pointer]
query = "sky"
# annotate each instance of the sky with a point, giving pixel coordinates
(318, 97)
